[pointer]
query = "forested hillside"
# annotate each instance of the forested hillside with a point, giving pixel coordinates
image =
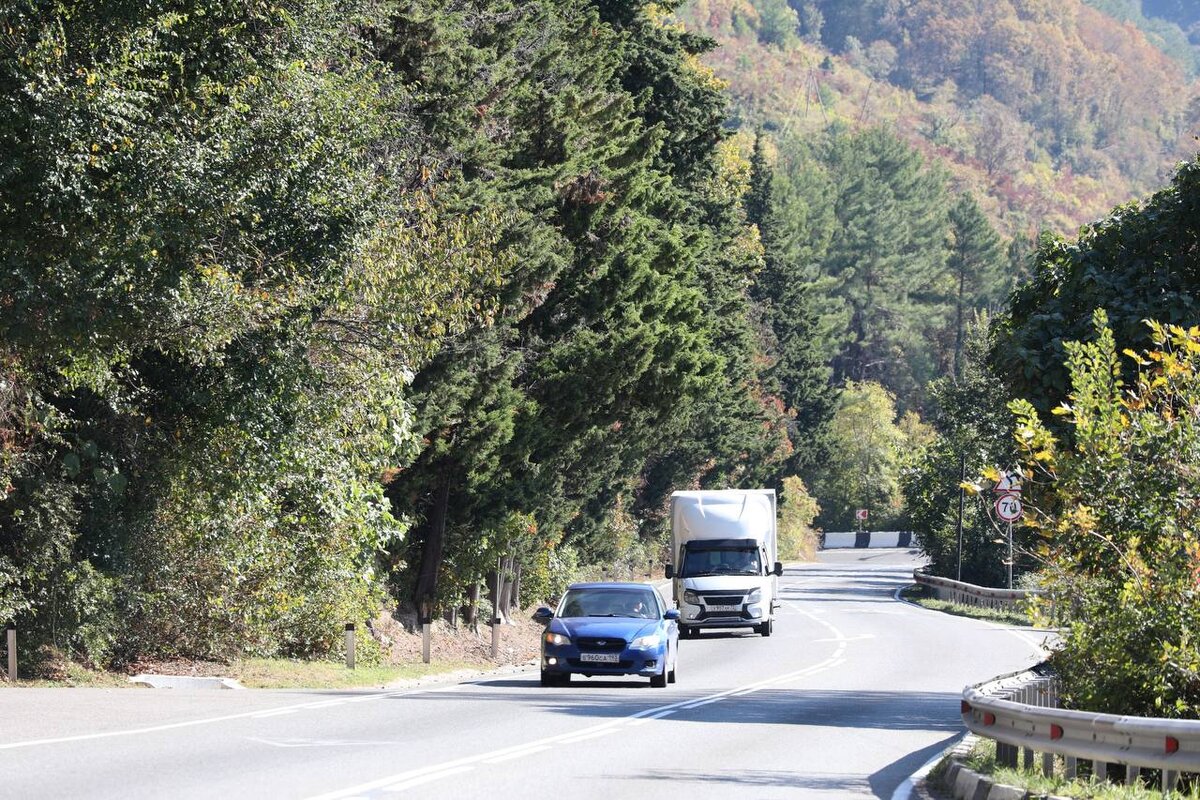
(1051, 112)
(309, 304)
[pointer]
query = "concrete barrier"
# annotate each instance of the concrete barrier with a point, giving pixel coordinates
(843, 539)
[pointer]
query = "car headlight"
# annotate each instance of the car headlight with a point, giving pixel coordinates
(754, 596)
(646, 642)
(691, 598)
(556, 638)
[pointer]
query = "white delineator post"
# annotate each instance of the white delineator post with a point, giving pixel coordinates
(11, 636)
(349, 645)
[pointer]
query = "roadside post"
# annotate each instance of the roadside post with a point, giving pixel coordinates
(10, 631)
(426, 622)
(349, 645)
(1009, 509)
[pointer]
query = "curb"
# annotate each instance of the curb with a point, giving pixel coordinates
(184, 682)
(967, 784)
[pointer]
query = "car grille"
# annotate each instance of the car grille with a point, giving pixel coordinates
(596, 644)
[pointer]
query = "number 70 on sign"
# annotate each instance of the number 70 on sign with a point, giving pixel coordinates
(1008, 507)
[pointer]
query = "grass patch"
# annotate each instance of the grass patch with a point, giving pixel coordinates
(920, 595)
(259, 673)
(282, 673)
(982, 759)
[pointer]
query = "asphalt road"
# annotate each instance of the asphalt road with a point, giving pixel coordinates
(853, 693)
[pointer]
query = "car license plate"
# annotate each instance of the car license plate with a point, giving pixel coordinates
(724, 608)
(604, 658)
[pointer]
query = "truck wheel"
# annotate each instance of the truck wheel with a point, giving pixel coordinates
(765, 628)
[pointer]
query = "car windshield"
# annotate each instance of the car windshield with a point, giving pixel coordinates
(720, 562)
(601, 602)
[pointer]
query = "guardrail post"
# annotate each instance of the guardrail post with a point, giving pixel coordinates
(1048, 765)
(1006, 755)
(1070, 767)
(1169, 778)
(495, 638)
(10, 631)
(1133, 775)
(1100, 770)
(349, 645)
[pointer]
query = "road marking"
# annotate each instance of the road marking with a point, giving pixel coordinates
(595, 735)
(412, 782)
(541, 745)
(83, 737)
(526, 752)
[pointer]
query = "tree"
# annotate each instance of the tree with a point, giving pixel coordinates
(968, 410)
(864, 467)
(1115, 511)
(975, 262)
(1139, 263)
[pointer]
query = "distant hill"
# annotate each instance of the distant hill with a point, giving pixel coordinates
(1053, 111)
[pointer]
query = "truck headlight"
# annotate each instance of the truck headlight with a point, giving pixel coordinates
(556, 638)
(754, 596)
(646, 642)
(691, 598)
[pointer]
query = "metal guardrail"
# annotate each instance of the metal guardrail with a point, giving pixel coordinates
(1019, 711)
(972, 595)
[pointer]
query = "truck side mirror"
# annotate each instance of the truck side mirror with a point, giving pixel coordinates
(778, 568)
(669, 570)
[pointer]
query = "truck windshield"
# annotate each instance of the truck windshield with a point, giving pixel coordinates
(720, 562)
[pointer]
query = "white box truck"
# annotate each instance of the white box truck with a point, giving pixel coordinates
(724, 573)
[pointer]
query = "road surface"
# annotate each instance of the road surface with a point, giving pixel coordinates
(853, 693)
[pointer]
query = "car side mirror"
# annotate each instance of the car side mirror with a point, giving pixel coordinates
(669, 570)
(671, 613)
(543, 615)
(778, 568)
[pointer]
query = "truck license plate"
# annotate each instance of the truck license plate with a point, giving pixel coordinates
(724, 608)
(606, 658)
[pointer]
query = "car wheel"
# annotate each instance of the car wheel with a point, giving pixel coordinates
(671, 674)
(549, 678)
(765, 628)
(659, 681)
(685, 632)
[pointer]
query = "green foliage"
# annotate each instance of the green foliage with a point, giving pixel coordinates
(1139, 263)
(974, 433)
(218, 281)
(864, 463)
(1114, 510)
(797, 511)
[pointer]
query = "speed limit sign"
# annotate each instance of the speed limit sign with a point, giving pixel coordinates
(1008, 507)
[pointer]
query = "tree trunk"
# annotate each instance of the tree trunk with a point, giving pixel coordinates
(471, 616)
(435, 541)
(516, 590)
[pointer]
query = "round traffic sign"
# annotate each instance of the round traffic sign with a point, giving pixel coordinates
(1008, 507)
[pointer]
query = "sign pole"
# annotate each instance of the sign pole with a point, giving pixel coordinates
(961, 493)
(1010, 555)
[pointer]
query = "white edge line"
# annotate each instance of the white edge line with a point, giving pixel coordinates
(408, 784)
(519, 754)
(904, 791)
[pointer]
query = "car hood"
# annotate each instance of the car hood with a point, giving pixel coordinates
(627, 628)
(714, 583)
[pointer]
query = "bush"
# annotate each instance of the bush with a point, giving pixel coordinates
(1116, 514)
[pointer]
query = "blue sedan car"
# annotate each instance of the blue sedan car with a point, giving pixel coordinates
(609, 629)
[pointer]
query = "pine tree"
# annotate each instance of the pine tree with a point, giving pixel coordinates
(976, 262)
